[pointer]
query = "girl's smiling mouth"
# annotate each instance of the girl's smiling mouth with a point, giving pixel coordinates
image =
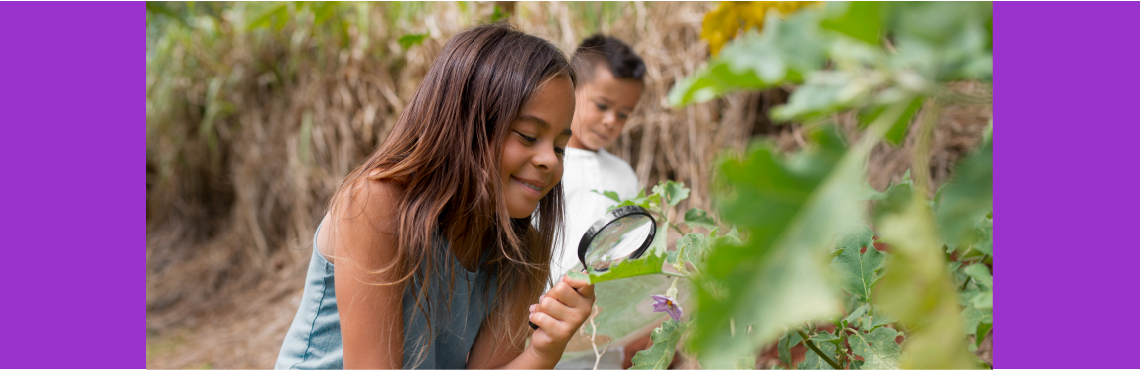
(534, 185)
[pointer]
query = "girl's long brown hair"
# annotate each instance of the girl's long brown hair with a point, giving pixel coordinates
(444, 155)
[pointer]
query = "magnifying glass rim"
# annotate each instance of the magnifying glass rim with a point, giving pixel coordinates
(609, 218)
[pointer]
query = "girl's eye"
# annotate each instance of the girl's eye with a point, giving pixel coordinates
(601, 106)
(623, 116)
(528, 139)
(560, 151)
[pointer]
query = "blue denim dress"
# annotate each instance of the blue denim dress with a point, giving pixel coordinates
(314, 339)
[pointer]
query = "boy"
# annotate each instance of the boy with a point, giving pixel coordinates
(610, 85)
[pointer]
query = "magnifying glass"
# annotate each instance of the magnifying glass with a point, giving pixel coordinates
(622, 234)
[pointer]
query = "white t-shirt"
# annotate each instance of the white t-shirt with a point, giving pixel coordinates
(583, 171)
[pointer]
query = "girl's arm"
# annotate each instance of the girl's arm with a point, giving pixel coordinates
(559, 313)
(371, 314)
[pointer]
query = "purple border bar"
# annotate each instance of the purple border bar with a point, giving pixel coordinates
(1065, 94)
(74, 287)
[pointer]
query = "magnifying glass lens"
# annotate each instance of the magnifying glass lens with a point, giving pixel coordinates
(618, 241)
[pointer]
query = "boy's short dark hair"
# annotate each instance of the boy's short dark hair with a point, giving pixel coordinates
(619, 57)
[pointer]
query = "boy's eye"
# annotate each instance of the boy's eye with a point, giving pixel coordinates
(622, 116)
(601, 106)
(560, 151)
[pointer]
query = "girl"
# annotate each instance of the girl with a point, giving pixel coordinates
(428, 256)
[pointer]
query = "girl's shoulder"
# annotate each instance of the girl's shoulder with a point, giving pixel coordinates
(364, 215)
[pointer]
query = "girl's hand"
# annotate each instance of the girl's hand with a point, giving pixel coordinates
(559, 313)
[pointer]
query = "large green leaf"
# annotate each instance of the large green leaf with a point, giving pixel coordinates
(858, 271)
(660, 355)
(878, 348)
(790, 210)
(918, 289)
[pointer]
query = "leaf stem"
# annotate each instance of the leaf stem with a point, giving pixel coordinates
(674, 274)
(811, 345)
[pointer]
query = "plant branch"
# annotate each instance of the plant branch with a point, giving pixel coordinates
(811, 345)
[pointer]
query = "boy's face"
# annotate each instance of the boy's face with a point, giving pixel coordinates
(603, 105)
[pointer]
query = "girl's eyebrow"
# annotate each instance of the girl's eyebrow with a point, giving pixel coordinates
(542, 123)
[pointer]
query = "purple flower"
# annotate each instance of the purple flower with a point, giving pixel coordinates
(666, 304)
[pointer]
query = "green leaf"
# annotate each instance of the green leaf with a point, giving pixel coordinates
(973, 317)
(968, 196)
(858, 271)
(694, 248)
(897, 132)
(407, 41)
(824, 92)
(981, 275)
(861, 20)
(812, 359)
(698, 217)
(649, 263)
(980, 335)
(660, 355)
(671, 257)
(880, 320)
(918, 290)
(823, 336)
(789, 340)
(783, 52)
(878, 348)
(609, 194)
(777, 278)
(672, 192)
(858, 313)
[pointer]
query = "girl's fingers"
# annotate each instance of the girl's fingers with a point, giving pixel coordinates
(553, 327)
(556, 309)
(583, 288)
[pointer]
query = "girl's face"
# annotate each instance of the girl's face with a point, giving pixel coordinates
(532, 153)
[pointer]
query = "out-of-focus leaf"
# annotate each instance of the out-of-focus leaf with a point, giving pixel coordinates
(967, 197)
(266, 15)
(609, 194)
(777, 278)
(918, 290)
(897, 132)
(499, 14)
(824, 92)
(858, 271)
(980, 335)
(784, 51)
(660, 354)
(698, 217)
(878, 348)
(407, 41)
(861, 20)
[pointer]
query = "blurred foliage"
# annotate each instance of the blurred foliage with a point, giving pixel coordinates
(730, 17)
(890, 63)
